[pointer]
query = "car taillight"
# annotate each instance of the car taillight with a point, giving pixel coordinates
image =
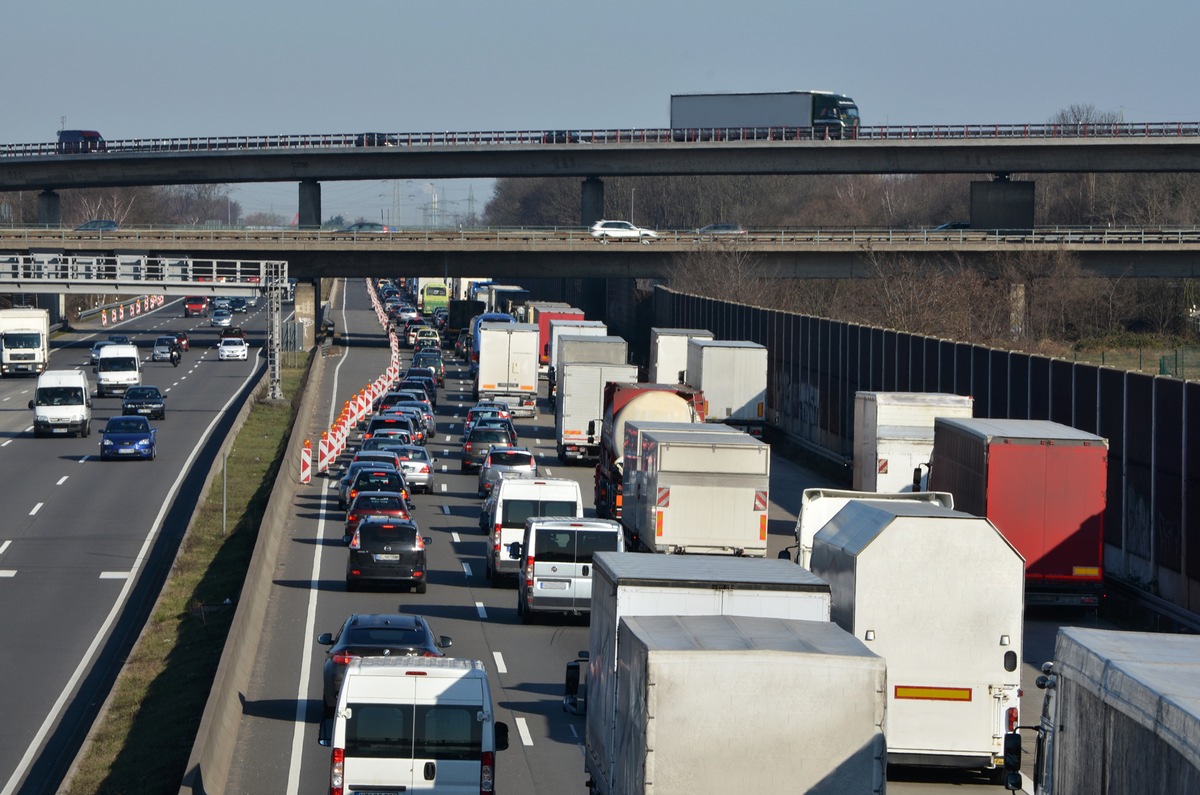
(466, 447)
(420, 542)
(337, 770)
(355, 543)
(529, 572)
(343, 658)
(353, 494)
(424, 469)
(487, 772)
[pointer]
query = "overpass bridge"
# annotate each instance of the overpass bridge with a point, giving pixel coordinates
(172, 255)
(594, 154)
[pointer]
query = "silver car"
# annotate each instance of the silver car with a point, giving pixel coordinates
(417, 464)
(505, 462)
(162, 349)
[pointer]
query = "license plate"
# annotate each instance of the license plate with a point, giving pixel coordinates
(143, 411)
(387, 557)
(58, 430)
(128, 450)
(552, 585)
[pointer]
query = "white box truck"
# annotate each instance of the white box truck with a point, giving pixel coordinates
(508, 366)
(1121, 714)
(893, 437)
(740, 704)
(818, 506)
(407, 723)
(579, 405)
(625, 584)
(669, 353)
(940, 595)
(24, 340)
(577, 327)
(732, 374)
(700, 493)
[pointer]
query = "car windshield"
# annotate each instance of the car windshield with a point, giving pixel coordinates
(402, 534)
(126, 425)
(517, 511)
(510, 459)
(378, 502)
(377, 481)
(489, 435)
(141, 392)
(384, 636)
(118, 364)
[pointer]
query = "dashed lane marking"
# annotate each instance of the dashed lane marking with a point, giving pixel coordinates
(481, 610)
(114, 575)
(500, 666)
(523, 730)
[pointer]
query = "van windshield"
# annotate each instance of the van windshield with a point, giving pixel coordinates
(118, 364)
(404, 731)
(22, 340)
(517, 511)
(573, 546)
(60, 396)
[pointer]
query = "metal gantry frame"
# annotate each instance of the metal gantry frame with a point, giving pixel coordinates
(277, 284)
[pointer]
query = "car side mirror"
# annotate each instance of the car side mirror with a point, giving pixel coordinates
(501, 736)
(325, 639)
(325, 733)
(445, 642)
(427, 539)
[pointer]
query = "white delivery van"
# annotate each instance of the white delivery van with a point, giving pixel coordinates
(118, 368)
(414, 724)
(556, 563)
(513, 501)
(62, 404)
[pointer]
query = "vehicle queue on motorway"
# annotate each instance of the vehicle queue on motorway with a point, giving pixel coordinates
(88, 540)
(450, 546)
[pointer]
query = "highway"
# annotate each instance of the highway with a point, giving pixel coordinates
(277, 737)
(85, 544)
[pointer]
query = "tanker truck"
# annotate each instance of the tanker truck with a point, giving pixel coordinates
(630, 401)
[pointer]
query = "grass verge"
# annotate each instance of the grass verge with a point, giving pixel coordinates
(143, 741)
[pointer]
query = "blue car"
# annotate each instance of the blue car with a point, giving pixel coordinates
(127, 437)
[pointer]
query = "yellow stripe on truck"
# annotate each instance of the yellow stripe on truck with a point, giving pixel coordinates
(933, 693)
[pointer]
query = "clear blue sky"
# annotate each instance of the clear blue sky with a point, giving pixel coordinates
(135, 68)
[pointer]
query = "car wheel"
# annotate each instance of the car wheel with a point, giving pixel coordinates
(422, 587)
(153, 453)
(351, 585)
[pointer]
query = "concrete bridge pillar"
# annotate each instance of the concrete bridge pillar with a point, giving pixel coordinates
(49, 209)
(304, 303)
(310, 204)
(591, 200)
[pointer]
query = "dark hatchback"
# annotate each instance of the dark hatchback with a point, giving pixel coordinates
(477, 444)
(424, 382)
(376, 635)
(387, 551)
(148, 401)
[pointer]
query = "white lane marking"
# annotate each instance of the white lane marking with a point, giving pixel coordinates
(443, 465)
(481, 610)
(453, 537)
(548, 472)
(29, 429)
(62, 480)
(114, 575)
(500, 662)
(6, 444)
(4, 546)
(85, 458)
(523, 730)
(8, 572)
(466, 569)
(444, 489)
(36, 508)
(306, 656)
(574, 733)
(445, 508)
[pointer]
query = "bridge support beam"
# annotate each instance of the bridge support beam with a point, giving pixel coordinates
(305, 307)
(49, 209)
(310, 204)
(1002, 204)
(591, 200)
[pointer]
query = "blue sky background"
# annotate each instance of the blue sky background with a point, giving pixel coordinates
(135, 68)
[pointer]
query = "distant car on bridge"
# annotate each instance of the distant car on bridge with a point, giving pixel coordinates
(620, 230)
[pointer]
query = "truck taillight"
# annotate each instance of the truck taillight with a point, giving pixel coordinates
(1012, 718)
(487, 773)
(337, 770)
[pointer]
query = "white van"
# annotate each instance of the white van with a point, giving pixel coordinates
(118, 368)
(513, 500)
(556, 575)
(405, 724)
(62, 404)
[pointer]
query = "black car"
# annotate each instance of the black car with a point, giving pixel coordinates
(387, 550)
(426, 382)
(238, 305)
(376, 635)
(148, 401)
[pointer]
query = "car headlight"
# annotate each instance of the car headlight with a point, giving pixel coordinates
(106, 443)
(143, 442)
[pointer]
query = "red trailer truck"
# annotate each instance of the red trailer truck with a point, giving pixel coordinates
(629, 401)
(1043, 485)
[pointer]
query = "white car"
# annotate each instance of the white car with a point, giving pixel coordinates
(621, 230)
(231, 349)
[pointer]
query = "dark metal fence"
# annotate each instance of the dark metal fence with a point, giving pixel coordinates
(1152, 423)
